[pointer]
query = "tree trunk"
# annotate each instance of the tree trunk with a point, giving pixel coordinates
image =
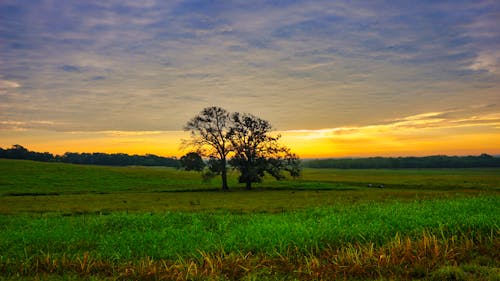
(249, 172)
(224, 175)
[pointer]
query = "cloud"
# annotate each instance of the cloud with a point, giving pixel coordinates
(71, 68)
(130, 133)
(131, 66)
(5, 84)
(11, 125)
(98, 78)
(488, 61)
(414, 123)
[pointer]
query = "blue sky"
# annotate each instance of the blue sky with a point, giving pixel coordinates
(97, 66)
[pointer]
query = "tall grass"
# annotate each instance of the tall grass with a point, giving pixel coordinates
(401, 258)
(120, 236)
(394, 240)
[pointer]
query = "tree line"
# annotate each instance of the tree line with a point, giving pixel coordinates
(117, 159)
(437, 161)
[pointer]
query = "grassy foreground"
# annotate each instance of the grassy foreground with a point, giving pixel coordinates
(70, 222)
(365, 241)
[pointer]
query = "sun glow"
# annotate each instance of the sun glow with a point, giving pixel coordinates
(422, 134)
(391, 145)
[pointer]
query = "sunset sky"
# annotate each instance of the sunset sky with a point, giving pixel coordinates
(335, 78)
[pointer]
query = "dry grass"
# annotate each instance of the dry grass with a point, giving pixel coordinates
(427, 257)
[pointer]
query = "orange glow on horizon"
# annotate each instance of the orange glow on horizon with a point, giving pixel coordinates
(368, 146)
(355, 142)
(159, 143)
(418, 135)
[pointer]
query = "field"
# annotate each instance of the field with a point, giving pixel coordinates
(72, 222)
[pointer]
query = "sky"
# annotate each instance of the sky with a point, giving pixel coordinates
(334, 78)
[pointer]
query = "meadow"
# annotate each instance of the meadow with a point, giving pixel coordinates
(72, 222)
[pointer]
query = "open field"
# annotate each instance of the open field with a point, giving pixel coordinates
(70, 222)
(27, 186)
(27, 177)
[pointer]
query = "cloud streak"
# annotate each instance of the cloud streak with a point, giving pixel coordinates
(424, 121)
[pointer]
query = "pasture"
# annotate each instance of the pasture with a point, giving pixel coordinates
(72, 222)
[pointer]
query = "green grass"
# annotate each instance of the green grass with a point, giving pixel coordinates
(27, 186)
(71, 222)
(400, 240)
(273, 201)
(442, 179)
(26, 177)
(121, 236)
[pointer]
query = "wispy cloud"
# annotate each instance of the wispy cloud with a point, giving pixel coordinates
(425, 121)
(25, 125)
(71, 68)
(131, 133)
(421, 134)
(7, 87)
(6, 84)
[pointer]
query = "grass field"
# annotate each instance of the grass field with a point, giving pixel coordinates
(71, 222)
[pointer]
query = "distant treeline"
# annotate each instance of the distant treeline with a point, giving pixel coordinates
(117, 159)
(439, 161)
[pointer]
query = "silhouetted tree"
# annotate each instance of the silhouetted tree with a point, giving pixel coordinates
(18, 152)
(212, 169)
(256, 151)
(118, 159)
(192, 161)
(209, 135)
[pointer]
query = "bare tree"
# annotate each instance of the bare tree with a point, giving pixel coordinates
(209, 135)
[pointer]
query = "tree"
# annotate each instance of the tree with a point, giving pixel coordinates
(213, 168)
(18, 152)
(209, 135)
(256, 151)
(192, 161)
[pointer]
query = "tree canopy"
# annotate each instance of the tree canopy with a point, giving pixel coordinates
(256, 151)
(192, 161)
(243, 138)
(209, 136)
